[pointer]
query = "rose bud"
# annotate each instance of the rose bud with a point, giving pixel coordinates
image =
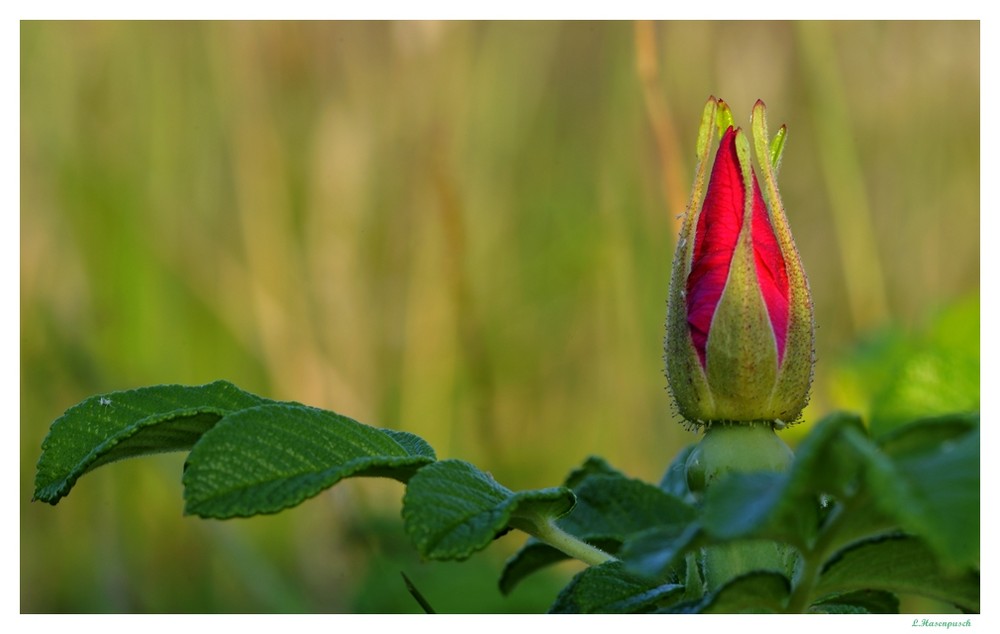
(739, 344)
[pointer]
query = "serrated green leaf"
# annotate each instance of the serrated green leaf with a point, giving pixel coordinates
(451, 509)
(754, 593)
(609, 508)
(927, 483)
(610, 589)
(935, 494)
(411, 443)
(119, 425)
(831, 467)
(268, 458)
(614, 507)
(861, 602)
(900, 565)
(592, 466)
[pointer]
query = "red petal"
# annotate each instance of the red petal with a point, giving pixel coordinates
(771, 274)
(716, 236)
(715, 240)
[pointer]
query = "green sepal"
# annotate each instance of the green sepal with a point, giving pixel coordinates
(705, 130)
(724, 118)
(686, 377)
(777, 147)
(791, 389)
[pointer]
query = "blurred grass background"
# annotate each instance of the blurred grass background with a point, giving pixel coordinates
(459, 229)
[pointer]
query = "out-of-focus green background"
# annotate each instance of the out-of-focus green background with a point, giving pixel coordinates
(459, 229)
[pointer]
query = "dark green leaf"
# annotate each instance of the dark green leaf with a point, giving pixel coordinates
(411, 443)
(609, 589)
(829, 472)
(534, 556)
(657, 551)
(825, 461)
(834, 465)
(694, 585)
(860, 602)
(927, 482)
(271, 457)
(788, 506)
(592, 466)
(740, 504)
(727, 560)
(927, 433)
(119, 425)
(610, 507)
(900, 565)
(674, 480)
(935, 494)
(613, 508)
(757, 592)
(857, 520)
(782, 506)
(451, 509)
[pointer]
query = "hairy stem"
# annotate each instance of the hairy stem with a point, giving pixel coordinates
(551, 534)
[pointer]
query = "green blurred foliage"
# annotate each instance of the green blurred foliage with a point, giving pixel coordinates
(459, 229)
(894, 376)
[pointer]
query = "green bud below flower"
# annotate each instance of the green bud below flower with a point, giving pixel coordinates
(739, 343)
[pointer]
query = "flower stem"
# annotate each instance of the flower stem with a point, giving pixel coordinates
(812, 560)
(798, 602)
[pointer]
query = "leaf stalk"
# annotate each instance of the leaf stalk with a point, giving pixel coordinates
(550, 533)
